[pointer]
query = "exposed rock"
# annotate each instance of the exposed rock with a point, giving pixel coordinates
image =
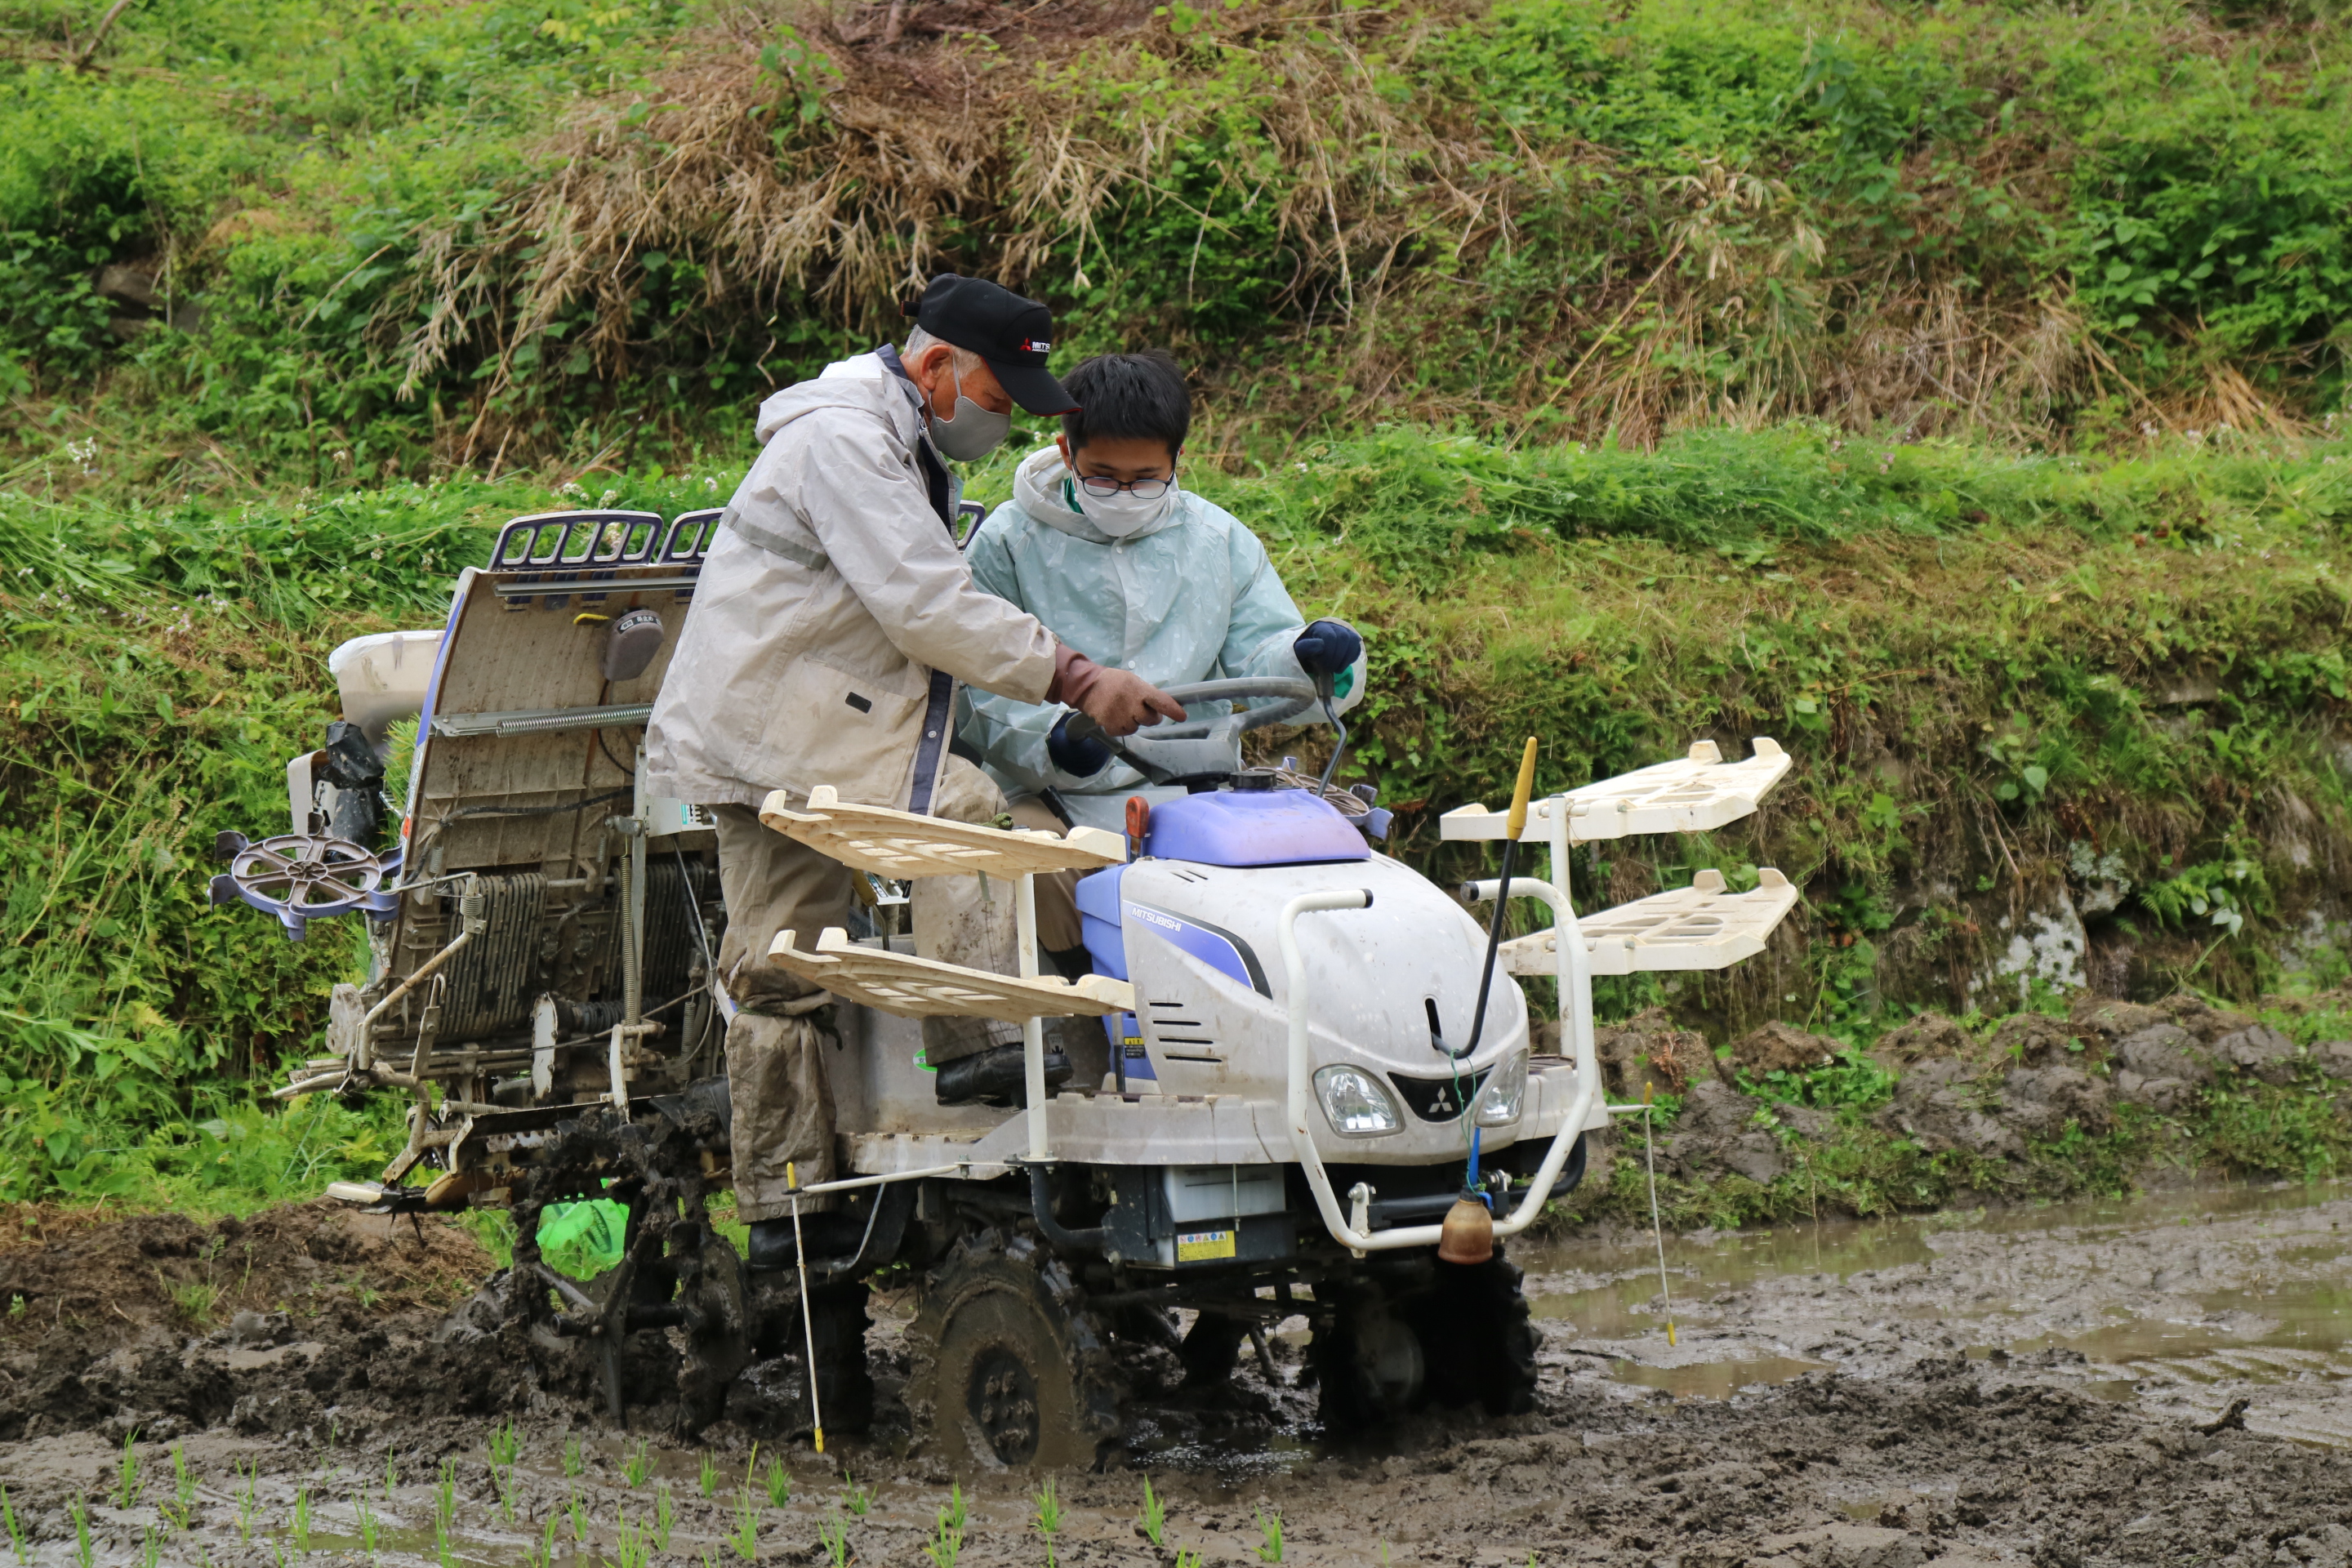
(2166, 1096)
(2107, 1019)
(1648, 1048)
(1713, 1134)
(1811, 1125)
(1781, 1048)
(2031, 1039)
(1713, 1106)
(2332, 1058)
(2040, 1102)
(2165, 1050)
(2260, 1051)
(2201, 1018)
(1928, 1034)
(1940, 1105)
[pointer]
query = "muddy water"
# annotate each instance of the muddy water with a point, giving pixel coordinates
(2178, 1303)
(2025, 1386)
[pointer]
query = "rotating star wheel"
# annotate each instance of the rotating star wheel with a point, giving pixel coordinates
(299, 877)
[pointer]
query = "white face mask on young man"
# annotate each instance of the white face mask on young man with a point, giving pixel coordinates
(1121, 513)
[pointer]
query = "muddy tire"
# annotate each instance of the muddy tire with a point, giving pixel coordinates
(1212, 1349)
(1009, 1371)
(1367, 1363)
(1478, 1339)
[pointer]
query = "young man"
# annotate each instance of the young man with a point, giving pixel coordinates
(1102, 543)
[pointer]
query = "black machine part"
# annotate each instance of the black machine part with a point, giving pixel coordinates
(630, 644)
(350, 766)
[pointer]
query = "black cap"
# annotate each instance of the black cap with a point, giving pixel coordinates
(1013, 334)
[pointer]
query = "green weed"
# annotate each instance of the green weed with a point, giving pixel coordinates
(542, 1555)
(630, 1547)
(183, 1486)
(665, 1515)
(126, 1471)
(391, 1472)
(855, 1498)
(151, 1547)
(745, 1537)
(710, 1475)
(1269, 1525)
(1049, 1516)
(444, 1494)
(834, 1536)
(639, 1464)
(16, 1531)
(367, 1524)
(248, 1501)
(506, 1448)
(947, 1532)
(301, 1522)
(575, 1458)
(1154, 1518)
(577, 1512)
(779, 1483)
(1189, 1557)
(81, 1532)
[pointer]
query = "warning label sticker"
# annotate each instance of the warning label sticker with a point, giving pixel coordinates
(1203, 1246)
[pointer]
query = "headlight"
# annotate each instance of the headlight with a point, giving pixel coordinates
(1355, 1103)
(1506, 1091)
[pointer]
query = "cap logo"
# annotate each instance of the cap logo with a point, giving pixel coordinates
(1035, 346)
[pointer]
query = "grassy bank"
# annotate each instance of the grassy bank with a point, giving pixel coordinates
(300, 243)
(2012, 687)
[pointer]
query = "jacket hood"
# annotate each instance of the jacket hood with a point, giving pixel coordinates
(862, 380)
(1041, 489)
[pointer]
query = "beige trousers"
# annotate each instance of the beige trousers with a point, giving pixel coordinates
(783, 1102)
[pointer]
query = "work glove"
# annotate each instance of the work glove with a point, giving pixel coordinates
(1326, 647)
(1079, 759)
(1118, 700)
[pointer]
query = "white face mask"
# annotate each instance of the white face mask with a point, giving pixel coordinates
(1118, 515)
(971, 432)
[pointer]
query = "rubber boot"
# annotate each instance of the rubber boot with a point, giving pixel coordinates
(998, 1077)
(845, 1388)
(831, 1238)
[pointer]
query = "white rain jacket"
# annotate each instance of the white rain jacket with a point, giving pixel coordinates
(834, 614)
(1192, 597)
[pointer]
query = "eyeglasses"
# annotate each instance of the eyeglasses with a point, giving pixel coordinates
(1141, 490)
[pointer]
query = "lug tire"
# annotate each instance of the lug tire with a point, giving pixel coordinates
(1010, 1372)
(1368, 1362)
(1478, 1340)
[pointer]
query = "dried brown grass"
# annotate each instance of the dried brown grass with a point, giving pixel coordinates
(978, 140)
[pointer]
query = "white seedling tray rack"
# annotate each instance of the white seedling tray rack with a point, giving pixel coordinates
(1696, 793)
(1701, 926)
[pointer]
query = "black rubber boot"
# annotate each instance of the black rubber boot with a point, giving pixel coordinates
(994, 1077)
(844, 1389)
(831, 1238)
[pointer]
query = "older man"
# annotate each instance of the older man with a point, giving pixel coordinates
(834, 619)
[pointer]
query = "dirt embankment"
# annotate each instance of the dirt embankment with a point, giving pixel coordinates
(161, 1324)
(1989, 1096)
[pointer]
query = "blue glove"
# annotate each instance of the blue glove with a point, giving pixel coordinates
(1326, 647)
(1079, 759)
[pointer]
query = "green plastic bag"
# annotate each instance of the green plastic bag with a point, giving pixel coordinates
(582, 1240)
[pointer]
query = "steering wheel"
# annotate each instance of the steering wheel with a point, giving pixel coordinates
(1297, 697)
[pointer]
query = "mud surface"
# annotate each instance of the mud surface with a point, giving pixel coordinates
(2055, 1388)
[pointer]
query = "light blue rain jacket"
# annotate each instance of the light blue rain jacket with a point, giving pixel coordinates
(1192, 597)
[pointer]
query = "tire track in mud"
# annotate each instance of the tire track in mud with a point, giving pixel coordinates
(1901, 1450)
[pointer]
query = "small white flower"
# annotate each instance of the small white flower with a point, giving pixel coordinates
(711, 485)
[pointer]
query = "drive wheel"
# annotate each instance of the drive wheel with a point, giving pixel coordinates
(1010, 1372)
(1478, 1339)
(1368, 1362)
